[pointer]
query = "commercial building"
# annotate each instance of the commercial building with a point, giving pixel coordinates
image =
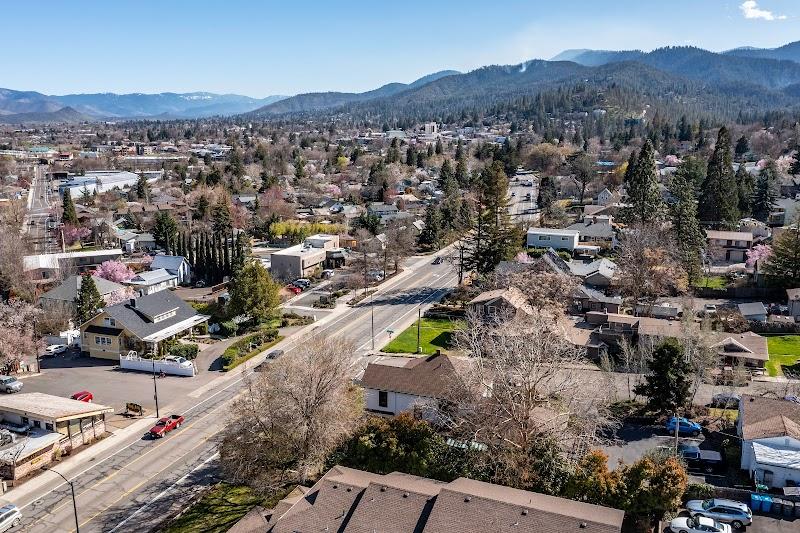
(42, 426)
(104, 180)
(307, 259)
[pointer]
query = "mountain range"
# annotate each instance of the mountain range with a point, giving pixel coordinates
(30, 106)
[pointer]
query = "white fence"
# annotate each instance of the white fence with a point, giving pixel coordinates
(134, 362)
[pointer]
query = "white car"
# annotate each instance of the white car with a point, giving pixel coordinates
(9, 517)
(181, 361)
(685, 524)
(54, 349)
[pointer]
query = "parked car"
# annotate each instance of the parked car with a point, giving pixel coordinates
(302, 282)
(685, 426)
(165, 425)
(726, 400)
(328, 273)
(10, 516)
(737, 514)
(54, 349)
(707, 461)
(200, 284)
(181, 361)
(438, 261)
(687, 524)
(9, 384)
(293, 289)
(274, 354)
(83, 396)
(710, 310)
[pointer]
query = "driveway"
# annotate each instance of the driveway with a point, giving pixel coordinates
(634, 441)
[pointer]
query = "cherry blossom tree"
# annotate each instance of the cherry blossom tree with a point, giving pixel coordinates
(115, 271)
(757, 253)
(73, 234)
(119, 296)
(17, 337)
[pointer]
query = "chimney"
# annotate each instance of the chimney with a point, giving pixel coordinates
(132, 302)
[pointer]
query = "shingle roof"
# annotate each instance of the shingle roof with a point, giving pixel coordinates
(136, 319)
(766, 417)
(747, 345)
(729, 235)
(68, 290)
(151, 277)
(431, 377)
(512, 295)
(167, 262)
(752, 308)
(352, 500)
(49, 406)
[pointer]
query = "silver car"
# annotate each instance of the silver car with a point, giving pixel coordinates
(732, 512)
(10, 384)
(9, 517)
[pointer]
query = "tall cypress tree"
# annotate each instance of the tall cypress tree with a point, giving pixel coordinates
(765, 193)
(719, 206)
(683, 214)
(744, 187)
(69, 216)
(88, 302)
(644, 194)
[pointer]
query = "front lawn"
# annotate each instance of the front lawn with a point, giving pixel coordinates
(217, 511)
(784, 350)
(435, 334)
(711, 282)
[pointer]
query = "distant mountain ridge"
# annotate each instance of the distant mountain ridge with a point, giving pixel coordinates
(789, 52)
(26, 104)
(65, 114)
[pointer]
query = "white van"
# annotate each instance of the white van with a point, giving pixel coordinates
(9, 517)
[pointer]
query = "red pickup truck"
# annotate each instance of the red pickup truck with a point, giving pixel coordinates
(165, 425)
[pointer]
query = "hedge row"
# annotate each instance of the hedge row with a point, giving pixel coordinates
(247, 347)
(187, 351)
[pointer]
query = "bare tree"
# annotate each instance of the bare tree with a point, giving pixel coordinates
(12, 275)
(544, 288)
(400, 243)
(291, 416)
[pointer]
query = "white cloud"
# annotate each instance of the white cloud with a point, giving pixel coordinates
(750, 10)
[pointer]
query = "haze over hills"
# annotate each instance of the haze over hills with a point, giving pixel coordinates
(125, 106)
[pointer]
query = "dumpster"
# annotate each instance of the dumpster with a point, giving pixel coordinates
(788, 508)
(766, 503)
(777, 506)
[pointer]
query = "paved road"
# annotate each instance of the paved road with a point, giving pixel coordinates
(35, 223)
(519, 207)
(129, 483)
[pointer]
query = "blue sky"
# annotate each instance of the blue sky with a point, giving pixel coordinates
(260, 48)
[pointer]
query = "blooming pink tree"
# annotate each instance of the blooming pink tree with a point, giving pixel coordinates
(759, 252)
(120, 295)
(17, 336)
(115, 271)
(73, 234)
(523, 257)
(672, 160)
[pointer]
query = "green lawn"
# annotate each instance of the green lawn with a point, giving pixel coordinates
(435, 334)
(712, 282)
(216, 511)
(784, 350)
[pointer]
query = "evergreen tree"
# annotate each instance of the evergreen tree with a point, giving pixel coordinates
(719, 207)
(201, 208)
(420, 159)
(439, 148)
(462, 173)
(667, 384)
(221, 217)
(745, 187)
(783, 266)
(430, 150)
(447, 179)
(765, 193)
(299, 167)
(165, 231)
(547, 192)
(742, 147)
(460, 150)
(430, 237)
(143, 189)
(794, 168)
(393, 154)
(493, 238)
(88, 302)
(411, 156)
(69, 216)
(689, 237)
(241, 254)
(254, 293)
(226, 254)
(631, 168)
(644, 195)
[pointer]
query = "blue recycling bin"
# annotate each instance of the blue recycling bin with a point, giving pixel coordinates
(755, 502)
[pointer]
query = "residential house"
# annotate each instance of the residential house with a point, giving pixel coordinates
(394, 385)
(176, 265)
(557, 239)
(145, 283)
(732, 246)
(140, 325)
(308, 258)
(43, 268)
(67, 291)
(746, 349)
(793, 300)
(500, 304)
(45, 427)
(754, 311)
(586, 299)
(597, 273)
(596, 229)
(345, 499)
(770, 433)
(382, 209)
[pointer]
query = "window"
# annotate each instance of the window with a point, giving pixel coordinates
(383, 398)
(564, 238)
(48, 426)
(109, 322)
(25, 420)
(37, 424)
(96, 340)
(544, 237)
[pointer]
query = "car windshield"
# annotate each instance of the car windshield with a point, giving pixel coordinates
(708, 504)
(161, 423)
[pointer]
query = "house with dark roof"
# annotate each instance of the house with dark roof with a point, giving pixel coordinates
(139, 325)
(393, 385)
(500, 304)
(351, 500)
(66, 292)
(770, 433)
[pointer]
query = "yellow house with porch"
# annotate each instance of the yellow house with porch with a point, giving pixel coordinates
(140, 325)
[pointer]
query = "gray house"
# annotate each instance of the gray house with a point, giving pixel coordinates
(67, 291)
(793, 296)
(754, 311)
(176, 265)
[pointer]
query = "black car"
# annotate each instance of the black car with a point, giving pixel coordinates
(437, 261)
(707, 461)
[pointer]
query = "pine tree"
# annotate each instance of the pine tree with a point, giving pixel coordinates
(165, 231)
(430, 237)
(718, 205)
(745, 187)
(765, 194)
(644, 195)
(411, 156)
(221, 217)
(88, 302)
(667, 384)
(794, 168)
(70, 216)
(783, 266)
(143, 189)
(631, 168)
(439, 148)
(683, 214)
(742, 147)
(462, 173)
(447, 180)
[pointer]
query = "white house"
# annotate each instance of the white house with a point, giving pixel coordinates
(152, 281)
(770, 432)
(557, 239)
(393, 385)
(176, 265)
(793, 299)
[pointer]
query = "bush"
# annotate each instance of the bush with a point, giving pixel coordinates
(187, 351)
(202, 328)
(566, 256)
(228, 328)
(243, 349)
(698, 491)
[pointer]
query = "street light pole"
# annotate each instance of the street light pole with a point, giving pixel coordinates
(155, 387)
(372, 320)
(419, 321)
(74, 504)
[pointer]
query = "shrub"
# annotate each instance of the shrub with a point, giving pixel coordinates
(202, 328)
(228, 328)
(566, 256)
(187, 351)
(698, 491)
(243, 349)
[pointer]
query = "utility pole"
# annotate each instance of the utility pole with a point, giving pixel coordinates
(155, 386)
(372, 319)
(419, 321)
(74, 504)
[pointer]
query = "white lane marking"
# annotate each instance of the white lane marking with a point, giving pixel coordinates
(165, 491)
